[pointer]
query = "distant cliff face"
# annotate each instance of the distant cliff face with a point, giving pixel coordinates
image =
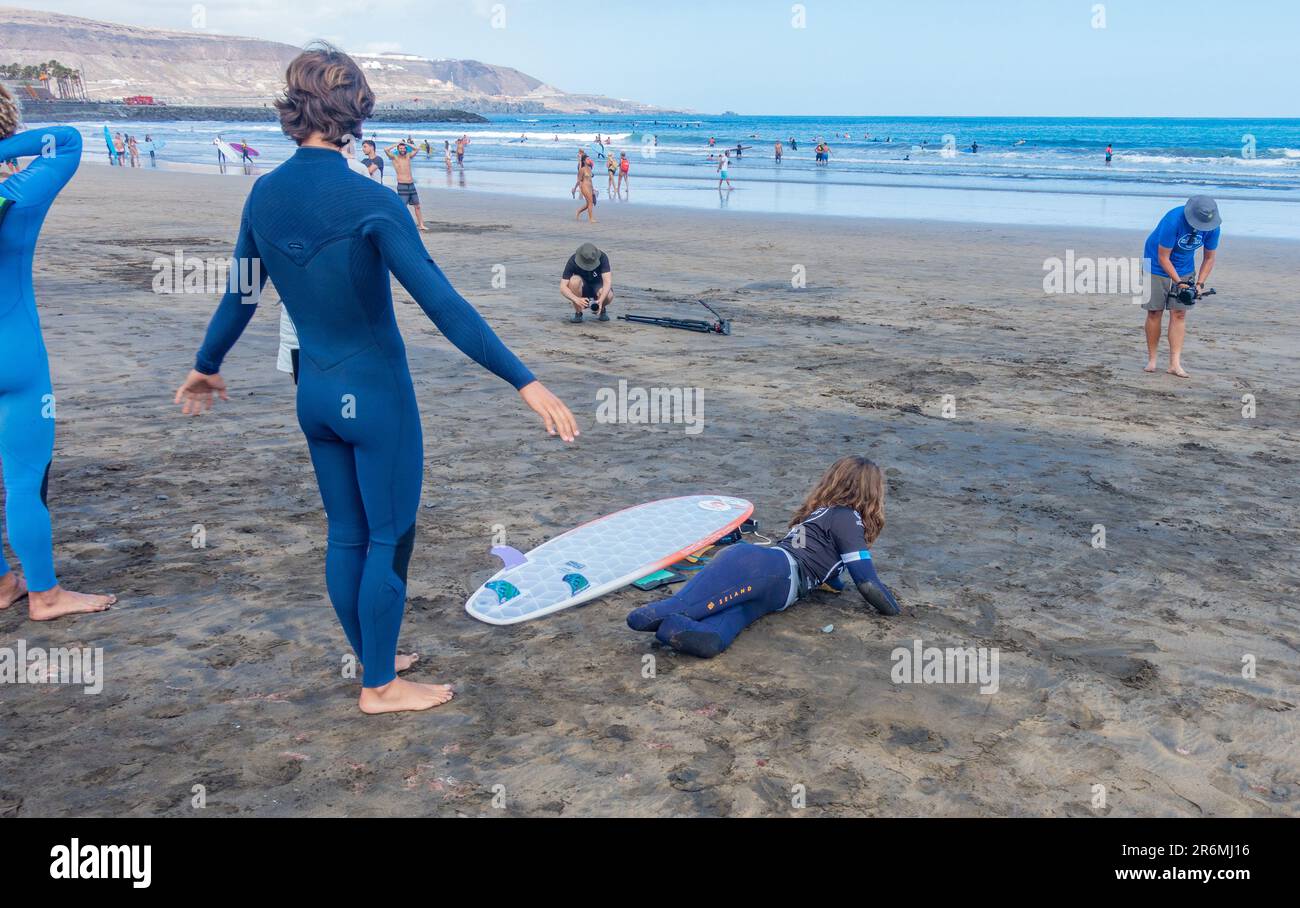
(179, 67)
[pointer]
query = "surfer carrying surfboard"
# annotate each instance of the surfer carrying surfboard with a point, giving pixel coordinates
(329, 239)
(830, 535)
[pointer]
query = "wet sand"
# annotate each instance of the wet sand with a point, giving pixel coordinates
(1119, 667)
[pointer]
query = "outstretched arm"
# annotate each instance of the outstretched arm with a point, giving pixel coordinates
(57, 150)
(244, 289)
(394, 234)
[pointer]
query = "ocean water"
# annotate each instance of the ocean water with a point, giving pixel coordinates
(1026, 170)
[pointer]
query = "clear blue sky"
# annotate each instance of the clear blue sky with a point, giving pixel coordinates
(1215, 58)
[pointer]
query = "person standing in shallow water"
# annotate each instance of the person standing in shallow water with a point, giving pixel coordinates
(27, 404)
(328, 238)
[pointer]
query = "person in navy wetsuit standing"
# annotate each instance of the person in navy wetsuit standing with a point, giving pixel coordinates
(27, 408)
(328, 238)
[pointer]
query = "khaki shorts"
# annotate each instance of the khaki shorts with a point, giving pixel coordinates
(1157, 294)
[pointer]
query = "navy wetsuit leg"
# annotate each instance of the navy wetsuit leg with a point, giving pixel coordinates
(740, 574)
(363, 430)
(714, 634)
(348, 537)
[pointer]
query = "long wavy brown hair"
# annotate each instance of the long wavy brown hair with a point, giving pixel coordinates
(9, 119)
(325, 91)
(851, 482)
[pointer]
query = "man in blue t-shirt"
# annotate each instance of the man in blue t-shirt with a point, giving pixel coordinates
(1170, 258)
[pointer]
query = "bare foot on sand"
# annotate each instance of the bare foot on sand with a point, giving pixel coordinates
(57, 602)
(1150, 366)
(12, 589)
(403, 696)
(1177, 371)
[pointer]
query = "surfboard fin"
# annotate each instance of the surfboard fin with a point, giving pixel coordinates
(510, 556)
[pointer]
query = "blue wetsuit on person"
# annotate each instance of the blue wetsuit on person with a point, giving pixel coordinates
(26, 397)
(328, 238)
(745, 582)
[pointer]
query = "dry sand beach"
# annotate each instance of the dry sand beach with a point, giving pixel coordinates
(1119, 667)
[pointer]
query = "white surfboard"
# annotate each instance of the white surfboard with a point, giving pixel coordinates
(602, 556)
(232, 156)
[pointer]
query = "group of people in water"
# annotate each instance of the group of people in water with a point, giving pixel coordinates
(329, 239)
(126, 149)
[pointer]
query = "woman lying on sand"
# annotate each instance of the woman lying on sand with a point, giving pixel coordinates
(328, 237)
(829, 534)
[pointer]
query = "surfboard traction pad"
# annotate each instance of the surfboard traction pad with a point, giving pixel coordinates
(628, 544)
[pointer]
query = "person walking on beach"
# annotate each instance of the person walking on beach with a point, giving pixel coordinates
(780, 151)
(582, 162)
(152, 150)
(329, 238)
(401, 155)
(588, 193)
(611, 167)
(624, 170)
(446, 154)
(133, 147)
(119, 146)
(587, 281)
(1170, 264)
(461, 143)
(27, 404)
(724, 164)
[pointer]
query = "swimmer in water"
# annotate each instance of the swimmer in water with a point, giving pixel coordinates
(26, 396)
(328, 238)
(830, 536)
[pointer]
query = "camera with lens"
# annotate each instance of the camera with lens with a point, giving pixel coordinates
(1188, 294)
